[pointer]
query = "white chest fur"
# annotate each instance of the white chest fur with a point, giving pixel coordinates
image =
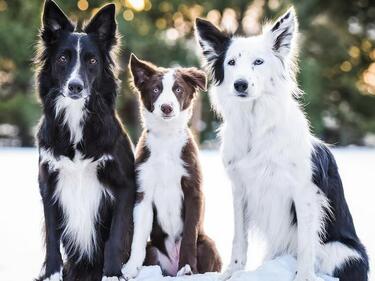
(268, 161)
(79, 193)
(160, 177)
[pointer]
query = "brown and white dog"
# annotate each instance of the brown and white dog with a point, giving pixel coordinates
(170, 201)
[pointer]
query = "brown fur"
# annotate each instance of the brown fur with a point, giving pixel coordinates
(197, 250)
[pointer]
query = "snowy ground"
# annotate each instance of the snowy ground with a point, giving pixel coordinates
(21, 253)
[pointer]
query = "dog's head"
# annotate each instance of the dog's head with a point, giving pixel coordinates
(74, 65)
(166, 92)
(247, 67)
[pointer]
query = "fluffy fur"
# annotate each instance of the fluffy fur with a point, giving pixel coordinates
(285, 182)
(170, 200)
(86, 161)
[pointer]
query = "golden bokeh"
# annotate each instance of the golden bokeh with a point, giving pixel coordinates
(83, 5)
(128, 15)
(137, 5)
(346, 66)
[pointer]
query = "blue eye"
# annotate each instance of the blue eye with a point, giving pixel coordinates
(258, 62)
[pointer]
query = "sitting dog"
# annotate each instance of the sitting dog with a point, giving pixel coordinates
(86, 161)
(285, 182)
(169, 204)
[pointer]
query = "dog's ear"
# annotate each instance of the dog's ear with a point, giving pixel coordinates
(140, 70)
(54, 21)
(195, 77)
(103, 25)
(284, 32)
(211, 39)
(214, 44)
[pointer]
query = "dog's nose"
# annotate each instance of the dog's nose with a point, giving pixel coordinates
(75, 88)
(240, 86)
(166, 108)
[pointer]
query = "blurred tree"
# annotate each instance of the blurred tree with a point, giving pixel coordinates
(337, 56)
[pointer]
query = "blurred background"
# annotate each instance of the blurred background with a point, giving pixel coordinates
(337, 59)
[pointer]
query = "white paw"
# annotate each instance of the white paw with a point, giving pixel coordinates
(186, 270)
(227, 274)
(129, 271)
(54, 277)
(112, 278)
(304, 277)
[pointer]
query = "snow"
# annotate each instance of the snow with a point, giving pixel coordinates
(21, 248)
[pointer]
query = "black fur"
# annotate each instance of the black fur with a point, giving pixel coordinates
(219, 41)
(339, 224)
(102, 135)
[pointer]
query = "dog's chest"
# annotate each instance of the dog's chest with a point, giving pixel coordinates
(79, 193)
(161, 175)
(265, 172)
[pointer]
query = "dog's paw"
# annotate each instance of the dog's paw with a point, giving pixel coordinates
(129, 271)
(185, 270)
(304, 277)
(227, 274)
(113, 278)
(53, 277)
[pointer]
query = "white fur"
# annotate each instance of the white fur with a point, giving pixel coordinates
(266, 149)
(74, 113)
(79, 193)
(58, 276)
(186, 270)
(159, 178)
(333, 255)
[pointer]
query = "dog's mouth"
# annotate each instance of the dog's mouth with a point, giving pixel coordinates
(168, 116)
(242, 94)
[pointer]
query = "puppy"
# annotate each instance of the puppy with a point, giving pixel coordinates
(86, 161)
(170, 201)
(285, 182)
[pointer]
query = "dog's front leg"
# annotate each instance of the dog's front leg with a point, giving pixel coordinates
(240, 239)
(143, 217)
(117, 247)
(308, 224)
(193, 204)
(52, 269)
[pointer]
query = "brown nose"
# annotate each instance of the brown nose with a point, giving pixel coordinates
(166, 108)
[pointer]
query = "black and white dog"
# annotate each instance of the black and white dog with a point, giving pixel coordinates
(285, 182)
(86, 161)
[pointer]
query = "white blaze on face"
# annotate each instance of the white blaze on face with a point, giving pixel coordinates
(75, 74)
(167, 96)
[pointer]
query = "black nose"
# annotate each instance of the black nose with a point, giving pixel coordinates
(240, 86)
(166, 109)
(75, 87)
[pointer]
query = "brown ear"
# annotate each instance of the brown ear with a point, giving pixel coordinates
(140, 70)
(195, 77)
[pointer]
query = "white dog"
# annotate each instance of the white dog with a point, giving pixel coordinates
(285, 182)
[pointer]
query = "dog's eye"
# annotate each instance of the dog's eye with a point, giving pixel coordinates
(232, 62)
(62, 59)
(156, 90)
(93, 61)
(258, 62)
(178, 90)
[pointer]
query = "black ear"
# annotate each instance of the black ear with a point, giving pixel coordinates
(283, 33)
(211, 39)
(214, 44)
(103, 25)
(195, 77)
(140, 70)
(54, 21)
